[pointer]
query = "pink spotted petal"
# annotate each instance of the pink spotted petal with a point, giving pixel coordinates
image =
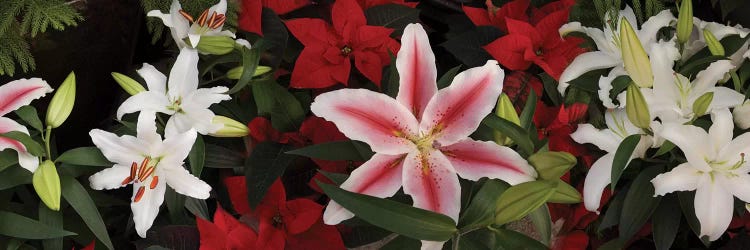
(18, 93)
(476, 159)
(379, 177)
(456, 111)
(432, 183)
(416, 69)
(370, 117)
(25, 159)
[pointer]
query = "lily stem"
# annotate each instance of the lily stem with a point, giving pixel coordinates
(455, 239)
(47, 135)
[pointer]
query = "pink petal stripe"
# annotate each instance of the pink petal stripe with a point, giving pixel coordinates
(456, 111)
(476, 159)
(370, 117)
(18, 93)
(379, 177)
(433, 185)
(416, 68)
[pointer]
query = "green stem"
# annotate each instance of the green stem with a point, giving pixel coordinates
(736, 81)
(455, 239)
(48, 134)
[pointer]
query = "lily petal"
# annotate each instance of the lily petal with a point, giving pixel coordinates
(417, 72)
(692, 140)
(155, 80)
(725, 98)
(382, 123)
(721, 131)
(598, 177)
(456, 111)
(122, 150)
(584, 63)
(682, 178)
(708, 77)
(432, 183)
(146, 100)
(178, 25)
(147, 208)
(650, 27)
(432, 245)
(185, 183)
(379, 177)
(604, 139)
(176, 148)
(732, 151)
(146, 128)
(713, 207)
(110, 178)
(738, 186)
(18, 93)
(199, 119)
(473, 160)
(183, 78)
(25, 159)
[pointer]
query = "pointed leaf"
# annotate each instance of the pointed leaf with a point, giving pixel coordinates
(512, 131)
(392, 16)
(542, 221)
(447, 78)
(510, 239)
(565, 194)
(522, 199)
(75, 194)
(332, 151)
(32, 146)
(666, 222)
(639, 203)
(622, 157)
(527, 114)
(482, 206)
(13, 177)
(18, 226)
(84, 156)
(267, 163)
(197, 156)
(29, 115)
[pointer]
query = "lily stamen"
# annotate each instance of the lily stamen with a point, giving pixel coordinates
(139, 194)
(202, 18)
(186, 15)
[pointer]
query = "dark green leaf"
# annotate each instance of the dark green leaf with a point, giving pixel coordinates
(666, 222)
(550, 87)
(394, 216)
(53, 219)
(622, 157)
(79, 199)
(639, 203)
(527, 114)
(509, 239)
(30, 116)
(13, 177)
(613, 212)
(542, 221)
(175, 206)
(688, 209)
(250, 59)
(391, 79)
(512, 131)
(85, 156)
(665, 148)
(275, 101)
(481, 210)
(467, 47)
(15, 225)
(332, 151)
(197, 156)
(402, 242)
(32, 146)
(276, 35)
(337, 178)
(392, 16)
(693, 67)
(267, 163)
(198, 207)
(7, 158)
(589, 81)
(221, 157)
(619, 84)
(447, 78)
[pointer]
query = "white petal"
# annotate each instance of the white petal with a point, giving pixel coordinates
(605, 139)
(123, 150)
(722, 129)
(146, 128)
(725, 98)
(432, 245)
(146, 100)
(185, 183)
(741, 115)
(662, 56)
(204, 97)
(199, 119)
(176, 148)
(692, 141)
(598, 177)
(155, 80)
(28, 161)
(733, 151)
(147, 208)
(595, 34)
(682, 178)
(110, 178)
(708, 77)
(739, 186)
(714, 208)
(650, 27)
(584, 63)
(194, 38)
(605, 86)
(183, 78)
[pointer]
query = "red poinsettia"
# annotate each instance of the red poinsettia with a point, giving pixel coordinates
(571, 222)
(518, 85)
(250, 15)
(296, 224)
(557, 123)
(366, 4)
(226, 232)
(494, 16)
(329, 50)
(536, 43)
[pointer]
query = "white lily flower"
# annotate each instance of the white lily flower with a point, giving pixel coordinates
(741, 115)
(672, 99)
(182, 25)
(716, 168)
(150, 164)
(720, 31)
(609, 139)
(179, 96)
(14, 95)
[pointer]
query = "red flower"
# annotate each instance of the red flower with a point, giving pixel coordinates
(518, 85)
(557, 123)
(261, 130)
(326, 59)
(296, 222)
(250, 15)
(539, 44)
(282, 7)
(576, 240)
(366, 4)
(494, 16)
(225, 232)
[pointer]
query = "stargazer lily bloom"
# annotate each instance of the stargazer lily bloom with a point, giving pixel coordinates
(14, 95)
(182, 25)
(599, 176)
(179, 96)
(150, 164)
(716, 169)
(421, 138)
(607, 41)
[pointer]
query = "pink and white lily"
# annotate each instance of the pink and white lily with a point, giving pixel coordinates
(182, 25)
(150, 164)
(14, 95)
(421, 138)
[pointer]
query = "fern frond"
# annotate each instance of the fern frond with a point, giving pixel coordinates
(15, 50)
(8, 13)
(653, 7)
(40, 15)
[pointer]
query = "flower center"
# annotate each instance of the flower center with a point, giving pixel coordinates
(141, 173)
(539, 52)
(346, 50)
(205, 22)
(277, 221)
(175, 106)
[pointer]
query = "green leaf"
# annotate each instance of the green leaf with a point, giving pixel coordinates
(53, 219)
(390, 82)
(175, 206)
(267, 163)
(565, 194)
(29, 115)
(394, 216)
(543, 223)
(18, 226)
(665, 148)
(331, 151)
(84, 156)
(32, 146)
(693, 67)
(75, 194)
(613, 212)
(522, 199)
(481, 210)
(8, 158)
(467, 46)
(43, 14)
(337, 178)
(550, 88)
(221, 157)
(622, 157)
(510, 239)
(552, 165)
(275, 101)
(447, 78)
(666, 222)
(688, 209)
(392, 16)
(527, 114)
(198, 207)
(639, 203)
(13, 177)
(197, 156)
(250, 59)
(512, 131)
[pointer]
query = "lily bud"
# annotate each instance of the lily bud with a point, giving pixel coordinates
(47, 184)
(506, 111)
(128, 84)
(634, 56)
(216, 45)
(685, 21)
(636, 107)
(236, 72)
(741, 115)
(231, 127)
(700, 106)
(552, 165)
(713, 44)
(62, 102)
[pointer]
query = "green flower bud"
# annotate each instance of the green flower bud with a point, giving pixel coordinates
(637, 108)
(565, 194)
(131, 86)
(685, 21)
(700, 106)
(552, 165)
(634, 56)
(216, 45)
(62, 103)
(231, 127)
(47, 184)
(713, 44)
(506, 111)
(236, 72)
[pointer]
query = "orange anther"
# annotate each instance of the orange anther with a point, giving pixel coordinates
(154, 182)
(146, 174)
(202, 18)
(186, 16)
(127, 180)
(133, 170)
(139, 194)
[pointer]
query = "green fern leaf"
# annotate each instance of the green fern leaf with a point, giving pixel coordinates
(15, 50)
(8, 13)
(43, 14)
